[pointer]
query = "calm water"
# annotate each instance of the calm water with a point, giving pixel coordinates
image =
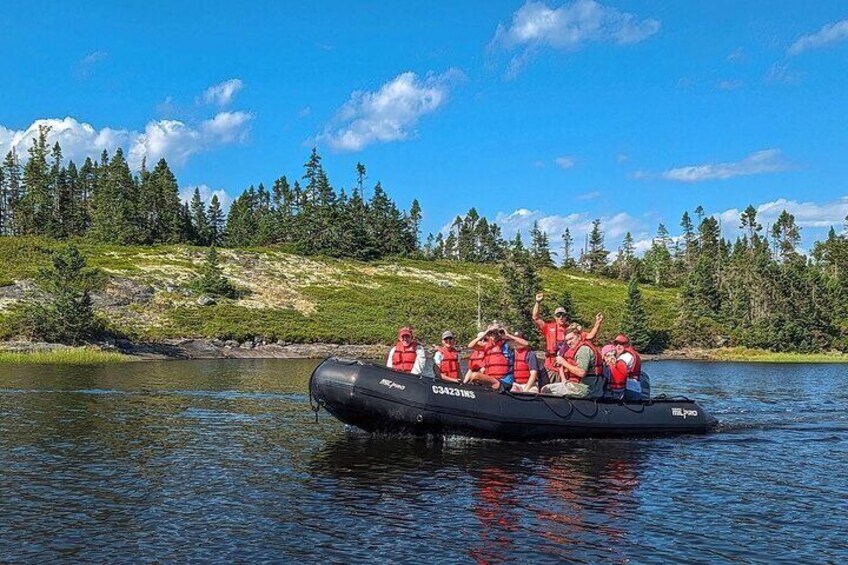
(223, 461)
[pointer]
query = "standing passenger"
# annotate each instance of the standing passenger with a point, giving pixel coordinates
(406, 355)
(446, 359)
(555, 330)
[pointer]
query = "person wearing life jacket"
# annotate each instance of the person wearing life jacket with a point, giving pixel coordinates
(579, 366)
(406, 355)
(554, 331)
(525, 368)
(625, 370)
(498, 357)
(475, 363)
(446, 359)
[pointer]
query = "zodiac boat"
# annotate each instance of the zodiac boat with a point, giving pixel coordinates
(377, 399)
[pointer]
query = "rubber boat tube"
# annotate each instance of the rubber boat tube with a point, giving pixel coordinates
(377, 399)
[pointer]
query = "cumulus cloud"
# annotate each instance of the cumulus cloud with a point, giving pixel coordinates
(535, 26)
(222, 94)
(206, 193)
(390, 113)
(172, 139)
(826, 36)
(578, 223)
(564, 162)
(757, 163)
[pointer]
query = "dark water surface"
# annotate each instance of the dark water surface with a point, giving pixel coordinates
(222, 461)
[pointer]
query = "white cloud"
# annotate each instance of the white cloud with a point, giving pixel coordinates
(206, 195)
(535, 25)
(564, 162)
(86, 66)
(759, 162)
(222, 94)
(390, 113)
(172, 139)
(737, 55)
(827, 35)
(782, 74)
(730, 84)
(589, 195)
(578, 223)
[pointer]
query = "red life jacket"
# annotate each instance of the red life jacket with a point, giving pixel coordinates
(521, 370)
(449, 367)
(403, 359)
(475, 362)
(636, 370)
(496, 363)
(554, 338)
(571, 357)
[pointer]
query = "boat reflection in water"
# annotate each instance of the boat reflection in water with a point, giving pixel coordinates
(570, 500)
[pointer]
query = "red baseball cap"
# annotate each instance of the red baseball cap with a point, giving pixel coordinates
(621, 339)
(405, 331)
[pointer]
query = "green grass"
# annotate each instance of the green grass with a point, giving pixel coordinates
(762, 356)
(64, 356)
(347, 301)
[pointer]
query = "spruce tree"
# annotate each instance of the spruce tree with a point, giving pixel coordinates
(216, 221)
(567, 250)
(596, 256)
(540, 251)
(212, 280)
(199, 220)
(521, 284)
(635, 323)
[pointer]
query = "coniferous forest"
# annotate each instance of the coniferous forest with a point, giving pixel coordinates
(758, 290)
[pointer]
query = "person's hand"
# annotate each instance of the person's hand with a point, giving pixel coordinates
(599, 318)
(481, 335)
(560, 360)
(539, 296)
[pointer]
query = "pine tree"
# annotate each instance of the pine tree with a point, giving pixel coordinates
(199, 220)
(567, 250)
(216, 221)
(596, 256)
(212, 280)
(786, 236)
(521, 283)
(635, 323)
(35, 209)
(61, 310)
(625, 263)
(11, 193)
(540, 251)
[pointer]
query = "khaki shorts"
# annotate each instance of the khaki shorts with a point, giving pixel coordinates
(523, 388)
(572, 390)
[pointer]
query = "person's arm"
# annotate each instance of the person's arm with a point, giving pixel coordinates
(389, 360)
(581, 365)
(540, 323)
(437, 361)
(475, 343)
(599, 318)
(420, 361)
(520, 342)
(533, 365)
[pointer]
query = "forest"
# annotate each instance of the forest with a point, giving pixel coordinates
(757, 290)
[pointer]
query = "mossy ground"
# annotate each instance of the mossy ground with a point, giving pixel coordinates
(315, 299)
(64, 356)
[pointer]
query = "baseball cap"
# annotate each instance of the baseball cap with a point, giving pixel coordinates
(405, 331)
(447, 334)
(560, 310)
(621, 339)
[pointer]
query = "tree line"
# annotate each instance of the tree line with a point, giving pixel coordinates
(757, 290)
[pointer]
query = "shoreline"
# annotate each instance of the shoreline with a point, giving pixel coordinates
(23, 352)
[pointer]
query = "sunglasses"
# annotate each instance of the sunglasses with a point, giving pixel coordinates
(448, 339)
(559, 315)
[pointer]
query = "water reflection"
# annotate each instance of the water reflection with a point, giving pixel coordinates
(223, 461)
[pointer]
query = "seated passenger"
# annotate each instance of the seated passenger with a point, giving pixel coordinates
(498, 360)
(525, 368)
(446, 359)
(625, 368)
(475, 363)
(406, 355)
(580, 368)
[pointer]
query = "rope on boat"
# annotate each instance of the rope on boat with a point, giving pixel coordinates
(317, 405)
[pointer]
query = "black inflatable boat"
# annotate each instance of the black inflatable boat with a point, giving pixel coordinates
(376, 399)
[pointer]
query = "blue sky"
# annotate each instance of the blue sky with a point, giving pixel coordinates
(563, 112)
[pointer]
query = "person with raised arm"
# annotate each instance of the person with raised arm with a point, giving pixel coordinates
(554, 331)
(499, 357)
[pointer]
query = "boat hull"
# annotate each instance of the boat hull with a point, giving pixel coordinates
(377, 399)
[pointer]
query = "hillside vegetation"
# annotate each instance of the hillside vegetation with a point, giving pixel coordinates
(146, 294)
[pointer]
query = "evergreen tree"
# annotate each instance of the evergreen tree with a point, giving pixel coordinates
(414, 225)
(199, 220)
(521, 283)
(540, 251)
(61, 310)
(567, 250)
(35, 209)
(635, 322)
(658, 260)
(786, 236)
(215, 218)
(212, 280)
(11, 191)
(596, 256)
(625, 263)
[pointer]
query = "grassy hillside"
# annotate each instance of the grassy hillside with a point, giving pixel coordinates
(306, 299)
